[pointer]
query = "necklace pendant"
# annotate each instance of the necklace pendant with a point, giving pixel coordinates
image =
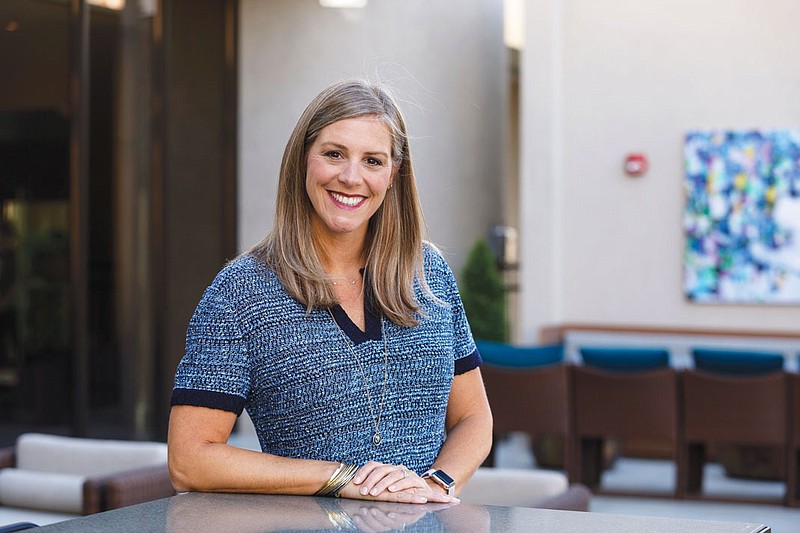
(376, 439)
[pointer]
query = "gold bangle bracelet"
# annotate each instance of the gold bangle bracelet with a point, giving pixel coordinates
(338, 480)
(325, 488)
(346, 478)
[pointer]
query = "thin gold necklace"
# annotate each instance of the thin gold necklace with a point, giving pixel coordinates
(376, 421)
(351, 282)
(345, 281)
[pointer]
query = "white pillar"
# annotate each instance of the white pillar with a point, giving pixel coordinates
(541, 152)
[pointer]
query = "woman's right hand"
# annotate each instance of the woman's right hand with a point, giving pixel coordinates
(392, 483)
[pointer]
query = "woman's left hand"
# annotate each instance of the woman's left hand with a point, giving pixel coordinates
(373, 478)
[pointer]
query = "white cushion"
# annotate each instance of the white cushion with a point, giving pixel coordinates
(86, 457)
(61, 493)
(11, 515)
(514, 487)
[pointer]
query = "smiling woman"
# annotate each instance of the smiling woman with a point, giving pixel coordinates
(342, 333)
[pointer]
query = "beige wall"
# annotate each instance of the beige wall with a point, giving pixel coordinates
(447, 67)
(602, 79)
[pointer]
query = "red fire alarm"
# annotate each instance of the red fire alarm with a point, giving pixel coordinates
(636, 165)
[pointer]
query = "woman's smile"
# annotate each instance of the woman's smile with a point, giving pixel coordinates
(347, 202)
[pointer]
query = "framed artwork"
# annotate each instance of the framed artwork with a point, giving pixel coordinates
(742, 217)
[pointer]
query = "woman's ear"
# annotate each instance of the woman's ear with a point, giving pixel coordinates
(396, 166)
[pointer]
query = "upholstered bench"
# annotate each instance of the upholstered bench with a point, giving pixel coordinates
(519, 487)
(49, 478)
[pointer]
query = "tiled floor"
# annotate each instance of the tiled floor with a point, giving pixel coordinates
(780, 519)
(658, 477)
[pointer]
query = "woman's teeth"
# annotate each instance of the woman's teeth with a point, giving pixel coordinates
(349, 201)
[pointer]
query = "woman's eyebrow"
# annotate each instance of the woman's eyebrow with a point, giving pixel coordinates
(378, 152)
(333, 144)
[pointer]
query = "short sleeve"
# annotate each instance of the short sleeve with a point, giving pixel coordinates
(214, 371)
(465, 352)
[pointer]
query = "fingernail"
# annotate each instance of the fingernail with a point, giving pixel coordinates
(374, 492)
(364, 491)
(357, 480)
(392, 488)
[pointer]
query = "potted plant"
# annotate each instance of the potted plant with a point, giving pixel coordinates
(484, 294)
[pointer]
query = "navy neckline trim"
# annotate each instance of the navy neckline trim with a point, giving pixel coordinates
(372, 323)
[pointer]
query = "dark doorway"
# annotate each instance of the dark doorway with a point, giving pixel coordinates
(35, 329)
(88, 347)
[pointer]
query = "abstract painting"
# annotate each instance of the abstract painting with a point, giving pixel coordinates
(742, 216)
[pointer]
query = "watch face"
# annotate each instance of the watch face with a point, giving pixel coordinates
(443, 478)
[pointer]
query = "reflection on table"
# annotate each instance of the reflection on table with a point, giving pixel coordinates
(253, 513)
(196, 513)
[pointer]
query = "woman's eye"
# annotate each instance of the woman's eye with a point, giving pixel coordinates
(333, 154)
(374, 162)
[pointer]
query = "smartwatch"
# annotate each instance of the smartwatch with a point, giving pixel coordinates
(441, 478)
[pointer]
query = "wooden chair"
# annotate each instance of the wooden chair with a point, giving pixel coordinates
(527, 390)
(748, 410)
(637, 403)
(793, 462)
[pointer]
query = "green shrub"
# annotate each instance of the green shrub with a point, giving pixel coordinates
(484, 295)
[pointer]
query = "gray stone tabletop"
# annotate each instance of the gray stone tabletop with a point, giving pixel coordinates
(248, 513)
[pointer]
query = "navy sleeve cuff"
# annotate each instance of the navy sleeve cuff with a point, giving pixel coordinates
(470, 362)
(203, 398)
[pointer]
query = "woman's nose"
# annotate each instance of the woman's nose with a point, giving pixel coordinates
(350, 175)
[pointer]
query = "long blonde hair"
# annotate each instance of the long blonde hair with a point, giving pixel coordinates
(394, 233)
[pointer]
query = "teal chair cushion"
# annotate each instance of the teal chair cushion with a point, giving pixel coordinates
(736, 362)
(625, 359)
(502, 354)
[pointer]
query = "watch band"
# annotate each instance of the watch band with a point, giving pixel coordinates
(441, 478)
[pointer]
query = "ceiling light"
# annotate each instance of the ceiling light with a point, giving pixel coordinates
(514, 24)
(116, 5)
(344, 4)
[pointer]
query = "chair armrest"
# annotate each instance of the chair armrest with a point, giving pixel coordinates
(140, 485)
(8, 457)
(17, 526)
(575, 498)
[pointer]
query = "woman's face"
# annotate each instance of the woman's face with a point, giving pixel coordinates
(349, 168)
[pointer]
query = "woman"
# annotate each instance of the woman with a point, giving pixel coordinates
(342, 333)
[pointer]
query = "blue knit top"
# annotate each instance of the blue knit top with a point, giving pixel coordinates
(250, 345)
